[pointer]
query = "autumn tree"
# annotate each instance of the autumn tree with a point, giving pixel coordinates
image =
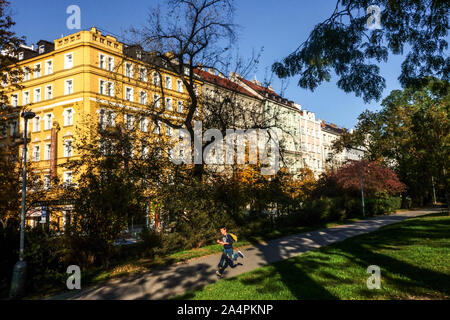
(411, 135)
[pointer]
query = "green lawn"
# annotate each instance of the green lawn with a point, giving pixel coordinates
(414, 257)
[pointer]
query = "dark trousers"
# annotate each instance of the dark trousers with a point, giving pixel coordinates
(227, 259)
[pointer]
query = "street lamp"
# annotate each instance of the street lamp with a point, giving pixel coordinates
(20, 268)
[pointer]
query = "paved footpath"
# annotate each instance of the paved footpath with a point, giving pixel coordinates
(177, 279)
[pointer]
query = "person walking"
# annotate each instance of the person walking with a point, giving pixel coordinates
(227, 258)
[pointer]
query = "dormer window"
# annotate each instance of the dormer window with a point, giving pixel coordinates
(41, 49)
(20, 55)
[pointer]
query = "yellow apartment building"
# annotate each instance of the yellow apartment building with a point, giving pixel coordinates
(85, 74)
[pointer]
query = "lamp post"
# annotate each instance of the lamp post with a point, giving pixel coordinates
(20, 268)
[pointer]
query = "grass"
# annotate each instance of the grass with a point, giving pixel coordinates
(414, 258)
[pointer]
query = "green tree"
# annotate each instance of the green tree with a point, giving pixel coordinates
(343, 43)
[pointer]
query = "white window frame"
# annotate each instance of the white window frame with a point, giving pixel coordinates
(143, 125)
(102, 86)
(46, 125)
(47, 182)
(35, 158)
(37, 74)
(47, 70)
(47, 92)
(26, 97)
(110, 63)
(26, 74)
(131, 97)
(169, 104)
(35, 96)
(156, 100)
(168, 84)
(66, 118)
(180, 85)
(143, 74)
(68, 152)
(67, 64)
(180, 103)
(65, 176)
(37, 124)
(156, 76)
(132, 119)
(47, 151)
(104, 66)
(66, 91)
(143, 97)
(15, 100)
(130, 75)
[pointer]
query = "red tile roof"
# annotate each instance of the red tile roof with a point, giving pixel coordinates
(223, 82)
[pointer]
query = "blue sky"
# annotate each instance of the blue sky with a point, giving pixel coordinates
(277, 26)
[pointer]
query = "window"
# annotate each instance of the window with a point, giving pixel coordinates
(26, 74)
(68, 117)
(48, 121)
(180, 108)
(107, 118)
(20, 55)
(41, 49)
(14, 128)
(156, 101)
(36, 124)
(67, 178)
(156, 78)
(142, 74)
(144, 125)
(47, 181)
(68, 87)
(169, 104)
(157, 128)
(145, 151)
(36, 156)
(49, 67)
(26, 98)
(110, 89)
(37, 94)
(129, 121)
(128, 69)
(102, 86)
(48, 92)
(168, 130)
(128, 94)
(37, 70)
(143, 97)
(110, 63)
(168, 82)
(14, 100)
(47, 151)
(102, 61)
(68, 148)
(179, 85)
(68, 61)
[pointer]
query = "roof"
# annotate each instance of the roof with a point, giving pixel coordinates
(223, 82)
(266, 92)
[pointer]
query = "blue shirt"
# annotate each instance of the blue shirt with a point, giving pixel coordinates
(228, 239)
